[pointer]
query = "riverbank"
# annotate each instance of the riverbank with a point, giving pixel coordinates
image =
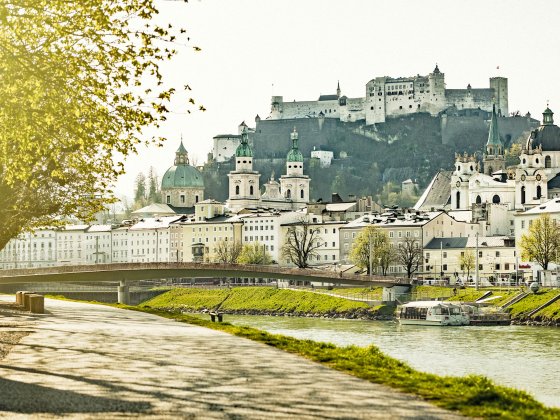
(286, 302)
(267, 301)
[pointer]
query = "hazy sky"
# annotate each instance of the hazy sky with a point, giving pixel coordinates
(300, 49)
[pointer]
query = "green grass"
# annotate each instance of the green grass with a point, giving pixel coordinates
(551, 312)
(265, 299)
(531, 302)
(471, 395)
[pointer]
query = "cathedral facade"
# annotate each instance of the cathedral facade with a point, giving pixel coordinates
(535, 179)
(292, 192)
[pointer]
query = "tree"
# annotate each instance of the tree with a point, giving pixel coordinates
(409, 255)
(302, 242)
(542, 242)
(227, 252)
(140, 190)
(372, 249)
(80, 82)
(467, 261)
(154, 195)
(254, 253)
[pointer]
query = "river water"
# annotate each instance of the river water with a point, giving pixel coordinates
(526, 358)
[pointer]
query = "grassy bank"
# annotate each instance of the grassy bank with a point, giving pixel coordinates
(521, 309)
(471, 395)
(261, 300)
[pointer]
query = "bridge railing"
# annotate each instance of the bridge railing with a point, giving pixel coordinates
(244, 269)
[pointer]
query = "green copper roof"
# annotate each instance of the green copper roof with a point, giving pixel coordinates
(294, 155)
(181, 148)
(547, 116)
(244, 150)
(182, 176)
(494, 133)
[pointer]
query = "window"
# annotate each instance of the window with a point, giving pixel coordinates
(182, 198)
(237, 190)
(301, 194)
(445, 255)
(168, 199)
(288, 194)
(539, 191)
(479, 254)
(251, 189)
(547, 162)
(444, 268)
(497, 253)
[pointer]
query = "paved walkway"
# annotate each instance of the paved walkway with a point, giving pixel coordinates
(93, 361)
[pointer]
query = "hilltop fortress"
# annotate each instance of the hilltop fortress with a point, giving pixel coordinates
(387, 97)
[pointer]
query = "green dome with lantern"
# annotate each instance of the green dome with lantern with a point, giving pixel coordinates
(294, 155)
(244, 150)
(182, 175)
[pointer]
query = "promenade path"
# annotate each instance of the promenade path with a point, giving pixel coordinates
(93, 361)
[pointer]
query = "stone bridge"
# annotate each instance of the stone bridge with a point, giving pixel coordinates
(123, 272)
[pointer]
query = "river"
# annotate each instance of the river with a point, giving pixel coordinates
(521, 357)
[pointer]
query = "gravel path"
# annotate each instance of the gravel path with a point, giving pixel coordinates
(93, 361)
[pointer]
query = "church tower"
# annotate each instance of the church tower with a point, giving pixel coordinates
(465, 168)
(494, 159)
(244, 181)
(295, 185)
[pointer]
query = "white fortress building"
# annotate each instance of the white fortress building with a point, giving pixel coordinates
(387, 97)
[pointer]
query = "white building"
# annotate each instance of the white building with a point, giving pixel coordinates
(325, 157)
(71, 247)
(98, 244)
(28, 250)
(149, 240)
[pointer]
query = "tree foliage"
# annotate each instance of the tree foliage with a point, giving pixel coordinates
(467, 261)
(372, 249)
(227, 252)
(409, 255)
(254, 253)
(542, 242)
(80, 81)
(302, 242)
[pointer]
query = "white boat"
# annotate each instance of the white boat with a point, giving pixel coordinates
(431, 312)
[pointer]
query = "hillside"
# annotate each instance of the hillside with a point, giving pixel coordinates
(368, 157)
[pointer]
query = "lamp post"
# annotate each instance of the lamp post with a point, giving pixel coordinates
(476, 273)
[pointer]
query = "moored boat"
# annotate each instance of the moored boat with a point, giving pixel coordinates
(481, 315)
(431, 313)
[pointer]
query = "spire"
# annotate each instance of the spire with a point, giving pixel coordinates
(494, 145)
(436, 70)
(181, 155)
(338, 89)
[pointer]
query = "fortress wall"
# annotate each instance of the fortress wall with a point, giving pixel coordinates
(470, 98)
(302, 109)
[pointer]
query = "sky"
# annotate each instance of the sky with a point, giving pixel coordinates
(252, 49)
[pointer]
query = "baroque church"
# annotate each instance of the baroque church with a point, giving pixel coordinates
(291, 193)
(534, 180)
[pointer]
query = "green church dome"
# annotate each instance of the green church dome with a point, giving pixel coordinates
(294, 155)
(182, 176)
(244, 150)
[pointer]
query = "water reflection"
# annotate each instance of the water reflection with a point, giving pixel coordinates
(516, 356)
